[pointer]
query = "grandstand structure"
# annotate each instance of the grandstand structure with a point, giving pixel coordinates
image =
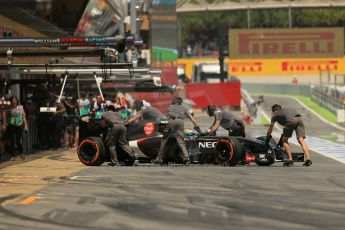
(185, 6)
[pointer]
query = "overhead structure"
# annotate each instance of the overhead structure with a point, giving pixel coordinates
(73, 69)
(102, 18)
(122, 76)
(63, 42)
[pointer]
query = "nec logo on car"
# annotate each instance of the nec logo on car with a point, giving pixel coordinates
(207, 144)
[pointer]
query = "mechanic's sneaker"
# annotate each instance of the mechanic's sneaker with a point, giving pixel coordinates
(288, 163)
(186, 162)
(113, 163)
(307, 163)
(158, 162)
(136, 163)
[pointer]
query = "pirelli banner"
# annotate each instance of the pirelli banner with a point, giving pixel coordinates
(285, 66)
(274, 66)
(286, 43)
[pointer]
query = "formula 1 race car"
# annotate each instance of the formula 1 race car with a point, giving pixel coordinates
(222, 150)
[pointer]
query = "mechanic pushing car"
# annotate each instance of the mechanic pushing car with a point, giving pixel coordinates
(147, 113)
(291, 120)
(116, 135)
(175, 129)
(226, 120)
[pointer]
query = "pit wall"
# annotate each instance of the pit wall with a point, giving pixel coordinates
(281, 89)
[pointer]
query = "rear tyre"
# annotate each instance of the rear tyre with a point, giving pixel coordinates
(91, 151)
(229, 151)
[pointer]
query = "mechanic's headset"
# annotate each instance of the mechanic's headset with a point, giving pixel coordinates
(138, 105)
(211, 109)
(276, 107)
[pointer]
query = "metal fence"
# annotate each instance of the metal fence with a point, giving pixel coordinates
(328, 96)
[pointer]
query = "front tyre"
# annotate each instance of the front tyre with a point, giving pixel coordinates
(229, 151)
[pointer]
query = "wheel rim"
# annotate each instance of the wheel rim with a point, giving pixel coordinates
(88, 151)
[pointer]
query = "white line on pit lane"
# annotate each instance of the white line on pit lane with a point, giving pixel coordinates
(326, 148)
(75, 177)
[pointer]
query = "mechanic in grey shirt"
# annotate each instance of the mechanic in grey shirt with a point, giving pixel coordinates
(291, 121)
(175, 129)
(147, 113)
(116, 135)
(226, 120)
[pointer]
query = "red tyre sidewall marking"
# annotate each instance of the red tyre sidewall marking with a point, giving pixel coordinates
(96, 155)
(231, 147)
(232, 151)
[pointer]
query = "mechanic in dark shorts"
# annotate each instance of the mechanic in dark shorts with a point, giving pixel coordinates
(116, 135)
(226, 120)
(175, 128)
(146, 113)
(292, 121)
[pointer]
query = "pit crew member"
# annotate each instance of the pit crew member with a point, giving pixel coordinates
(226, 120)
(116, 135)
(175, 129)
(292, 121)
(145, 113)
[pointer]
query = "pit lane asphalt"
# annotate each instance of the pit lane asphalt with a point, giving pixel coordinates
(55, 191)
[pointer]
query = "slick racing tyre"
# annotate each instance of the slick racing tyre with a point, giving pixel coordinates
(266, 158)
(229, 151)
(91, 151)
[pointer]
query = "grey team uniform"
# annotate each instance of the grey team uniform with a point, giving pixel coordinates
(230, 122)
(151, 114)
(116, 136)
(176, 116)
(291, 120)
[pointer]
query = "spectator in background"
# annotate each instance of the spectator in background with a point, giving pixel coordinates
(30, 106)
(294, 80)
(189, 51)
(114, 102)
(16, 123)
(99, 107)
(129, 103)
(31, 111)
(121, 100)
(71, 121)
(3, 127)
(83, 105)
(57, 124)
(107, 100)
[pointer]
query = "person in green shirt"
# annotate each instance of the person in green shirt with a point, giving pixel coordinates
(16, 124)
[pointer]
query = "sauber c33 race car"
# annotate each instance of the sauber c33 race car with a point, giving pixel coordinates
(145, 140)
